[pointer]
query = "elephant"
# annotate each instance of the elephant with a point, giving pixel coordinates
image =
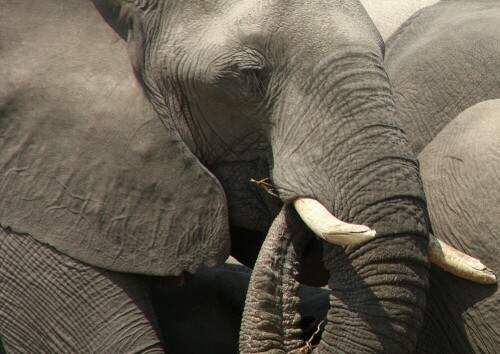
(443, 68)
(146, 151)
(461, 317)
(459, 170)
(441, 62)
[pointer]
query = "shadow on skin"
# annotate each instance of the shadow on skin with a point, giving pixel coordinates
(448, 325)
(204, 315)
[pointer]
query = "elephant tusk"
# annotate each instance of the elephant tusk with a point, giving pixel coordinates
(458, 263)
(333, 230)
(328, 227)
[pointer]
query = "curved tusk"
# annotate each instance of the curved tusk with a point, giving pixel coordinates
(333, 230)
(328, 227)
(458, 263)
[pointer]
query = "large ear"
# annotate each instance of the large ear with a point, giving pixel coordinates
(87, 167)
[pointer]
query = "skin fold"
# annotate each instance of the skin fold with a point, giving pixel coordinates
(153, 183)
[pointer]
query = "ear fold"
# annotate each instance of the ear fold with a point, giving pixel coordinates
(116, 14)
(124, 17)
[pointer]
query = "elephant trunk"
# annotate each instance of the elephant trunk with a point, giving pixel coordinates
(378, 288)
(356, 161)
(378, 295)
(270, 319)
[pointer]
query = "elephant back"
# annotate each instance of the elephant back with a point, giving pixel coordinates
(442, 61)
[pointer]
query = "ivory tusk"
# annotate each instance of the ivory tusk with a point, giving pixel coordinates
(458, 263)
(328, 227)
(333, 230)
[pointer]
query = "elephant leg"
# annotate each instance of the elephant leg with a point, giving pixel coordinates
(51, 303)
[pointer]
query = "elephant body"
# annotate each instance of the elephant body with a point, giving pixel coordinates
(460, 170)
(441, 62)
(119, 169)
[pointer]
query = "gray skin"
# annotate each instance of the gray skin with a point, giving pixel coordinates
(458, 169)
(442, 61)
(293, 91)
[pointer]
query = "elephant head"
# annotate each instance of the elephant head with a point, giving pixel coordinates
(296, 92)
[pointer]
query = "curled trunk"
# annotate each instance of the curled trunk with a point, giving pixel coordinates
(270, 319)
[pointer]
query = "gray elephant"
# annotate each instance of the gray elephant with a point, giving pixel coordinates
(461, 317)
(442, 64)
(460, 174)
(102, 193)
(458, 168)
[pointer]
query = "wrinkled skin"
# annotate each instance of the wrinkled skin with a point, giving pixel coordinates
(292, 91)
(459, 170)
(441, 62)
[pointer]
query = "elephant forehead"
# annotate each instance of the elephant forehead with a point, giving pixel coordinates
(265, 25)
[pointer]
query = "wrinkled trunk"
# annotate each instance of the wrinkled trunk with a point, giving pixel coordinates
(376, 303)
(271, 307)
(356, 161)
(378, 296)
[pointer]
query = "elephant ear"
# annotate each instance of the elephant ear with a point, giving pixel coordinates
(86, 165)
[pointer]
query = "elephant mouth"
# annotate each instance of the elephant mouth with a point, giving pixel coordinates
(333, 230)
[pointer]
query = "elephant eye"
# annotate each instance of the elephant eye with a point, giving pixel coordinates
(255, 81)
